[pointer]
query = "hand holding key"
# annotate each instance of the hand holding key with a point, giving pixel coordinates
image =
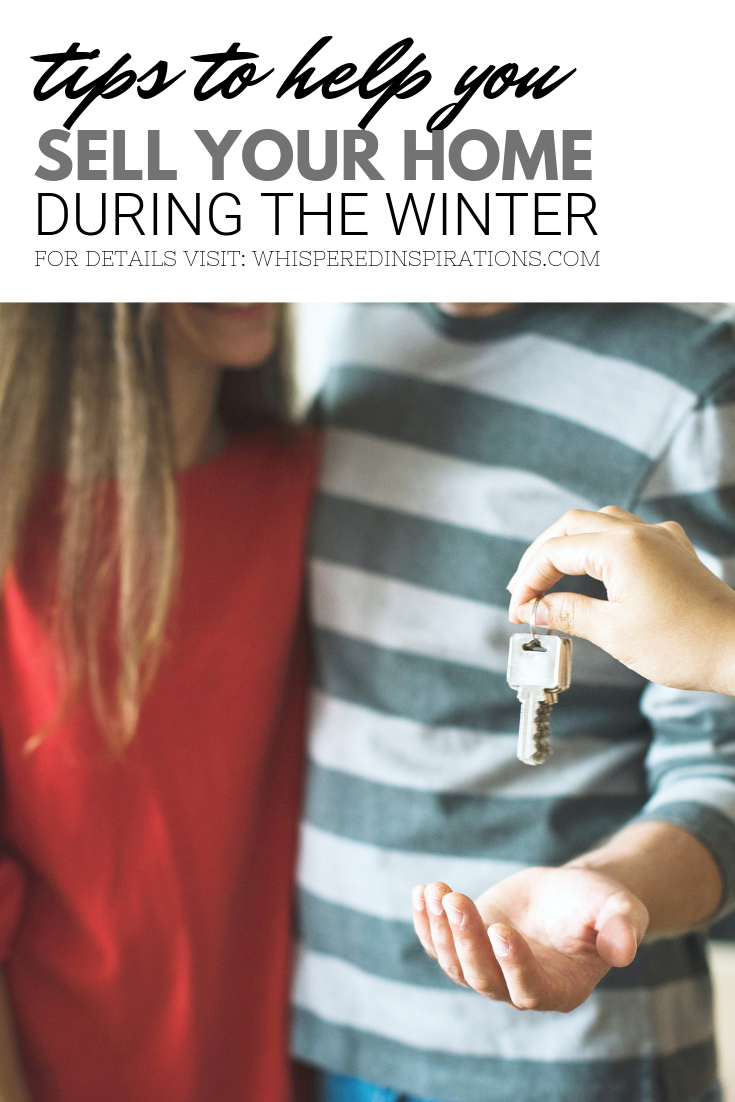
(541, 939)
(667, 616)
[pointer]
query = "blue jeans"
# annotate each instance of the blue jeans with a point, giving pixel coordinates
(343, 1088)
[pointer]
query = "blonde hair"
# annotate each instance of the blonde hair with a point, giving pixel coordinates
(82, 387)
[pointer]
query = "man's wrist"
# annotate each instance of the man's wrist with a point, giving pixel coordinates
(672, 873)
(724, 657)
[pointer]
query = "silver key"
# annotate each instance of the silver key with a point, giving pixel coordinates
(534, 733)
(539, 668)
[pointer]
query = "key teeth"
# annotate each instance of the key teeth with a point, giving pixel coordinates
(542, 734)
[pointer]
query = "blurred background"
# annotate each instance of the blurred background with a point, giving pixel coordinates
(722, 960)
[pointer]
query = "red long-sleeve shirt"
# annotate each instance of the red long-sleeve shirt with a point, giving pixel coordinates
(145, 899)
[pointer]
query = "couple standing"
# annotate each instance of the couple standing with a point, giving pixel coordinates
(152, 679)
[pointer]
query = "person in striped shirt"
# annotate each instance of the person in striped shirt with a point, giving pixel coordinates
(452, 442)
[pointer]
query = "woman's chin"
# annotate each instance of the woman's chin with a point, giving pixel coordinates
(234, 334)
(237, 311)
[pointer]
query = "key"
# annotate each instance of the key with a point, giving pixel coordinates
(539, 668)
(534, 734)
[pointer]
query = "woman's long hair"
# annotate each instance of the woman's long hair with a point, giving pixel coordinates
(83, 389)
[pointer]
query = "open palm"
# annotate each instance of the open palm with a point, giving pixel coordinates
(541, 939)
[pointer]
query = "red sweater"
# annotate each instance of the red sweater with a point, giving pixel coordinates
(145, 899)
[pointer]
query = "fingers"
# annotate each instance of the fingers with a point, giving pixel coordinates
(526, 981)
(678, 533)
(621, 514)
(572, 613)
(442, 937)
(474, 951)
(623, 552)
(539, 574)
(452, 931)
(497, 963)
(574, 522)
(580, 554)
(421, 920)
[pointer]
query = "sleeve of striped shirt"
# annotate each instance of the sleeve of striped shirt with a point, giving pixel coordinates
(691, 762)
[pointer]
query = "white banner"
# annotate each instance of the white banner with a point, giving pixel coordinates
(221, 151)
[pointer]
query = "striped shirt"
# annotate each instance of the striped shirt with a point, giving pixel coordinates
(450, 444)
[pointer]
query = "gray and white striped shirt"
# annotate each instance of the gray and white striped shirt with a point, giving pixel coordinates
(450, 444)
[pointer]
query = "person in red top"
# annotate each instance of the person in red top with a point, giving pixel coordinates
(152, 676)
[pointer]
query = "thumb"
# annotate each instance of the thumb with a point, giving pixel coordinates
(572, 613)
(621, 924)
